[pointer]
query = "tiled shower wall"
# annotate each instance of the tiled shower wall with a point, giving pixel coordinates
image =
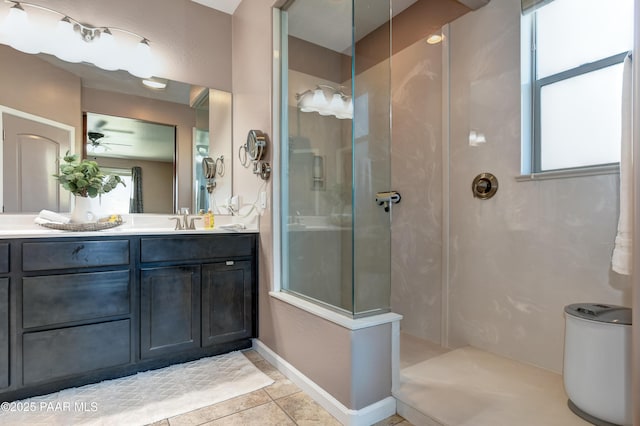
(515, 260)
(416, 172)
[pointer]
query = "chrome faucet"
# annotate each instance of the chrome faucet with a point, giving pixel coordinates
(192, 224)
(178, 224)
(184, 222)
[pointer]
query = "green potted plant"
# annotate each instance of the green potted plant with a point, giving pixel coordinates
(84, 180)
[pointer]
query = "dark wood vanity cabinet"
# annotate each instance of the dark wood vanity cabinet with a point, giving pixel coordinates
(207, 299)
(169, 310)
(79, 310)
(4, 332)
(76, 310)
(4, 315)
(227, 302)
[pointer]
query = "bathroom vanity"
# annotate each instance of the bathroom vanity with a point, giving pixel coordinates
(77, 308)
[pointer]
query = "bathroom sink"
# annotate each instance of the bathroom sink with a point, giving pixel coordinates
(15, 225)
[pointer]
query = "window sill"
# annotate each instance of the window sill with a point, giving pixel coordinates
(607, 169)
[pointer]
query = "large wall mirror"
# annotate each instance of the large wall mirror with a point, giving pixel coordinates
(109, 116)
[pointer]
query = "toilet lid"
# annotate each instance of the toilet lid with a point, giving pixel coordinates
(600, 312)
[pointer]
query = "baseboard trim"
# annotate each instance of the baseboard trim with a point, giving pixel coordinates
(364, 417)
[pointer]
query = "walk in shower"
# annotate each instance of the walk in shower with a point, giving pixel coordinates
(335, 161)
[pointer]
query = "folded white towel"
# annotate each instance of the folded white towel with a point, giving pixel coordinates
(53, 217)
(233, 226)
(40, 221)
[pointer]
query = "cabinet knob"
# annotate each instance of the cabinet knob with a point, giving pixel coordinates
(230, 262)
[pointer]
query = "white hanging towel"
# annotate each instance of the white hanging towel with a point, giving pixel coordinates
(621, 259)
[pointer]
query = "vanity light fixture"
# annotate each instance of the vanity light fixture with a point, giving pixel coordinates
(74, 41)
(338, 104)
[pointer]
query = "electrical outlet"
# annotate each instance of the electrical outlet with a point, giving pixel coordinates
(263, 200)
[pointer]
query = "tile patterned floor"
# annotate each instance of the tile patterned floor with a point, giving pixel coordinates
(282, 403)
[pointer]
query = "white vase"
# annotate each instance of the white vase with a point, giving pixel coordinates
(81, 212)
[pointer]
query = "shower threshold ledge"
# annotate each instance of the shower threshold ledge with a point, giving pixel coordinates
(376, 411)
(335, 317)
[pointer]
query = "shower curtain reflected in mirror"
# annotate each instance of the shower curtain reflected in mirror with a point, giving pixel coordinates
(136, 204)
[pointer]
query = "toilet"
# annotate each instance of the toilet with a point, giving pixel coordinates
(597, 362)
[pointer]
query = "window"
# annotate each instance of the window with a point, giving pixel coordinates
(578, 50)
(117, 200)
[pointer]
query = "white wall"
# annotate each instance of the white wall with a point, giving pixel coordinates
(516, 260)
(416, 172)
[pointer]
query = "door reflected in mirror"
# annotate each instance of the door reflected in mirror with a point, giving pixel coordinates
(31, 152)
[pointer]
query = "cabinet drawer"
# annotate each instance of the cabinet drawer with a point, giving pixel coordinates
(4, 258)
(40, 256)
(56, 299)
(195, 248)
(58, 353)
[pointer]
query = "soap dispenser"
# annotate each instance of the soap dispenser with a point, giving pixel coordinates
(209, 220)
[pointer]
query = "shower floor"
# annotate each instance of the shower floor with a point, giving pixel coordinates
(468, 386)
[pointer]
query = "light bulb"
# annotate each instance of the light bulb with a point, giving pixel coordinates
(104, 51)
(346, 112)
(319, 101)
(337, 104)
(67, 45)
(305, 103)
(17, 31)
(141, 61)
(16, 19)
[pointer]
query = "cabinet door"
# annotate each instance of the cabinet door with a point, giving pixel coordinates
(169, 310)
(4, 332)
(227, 302)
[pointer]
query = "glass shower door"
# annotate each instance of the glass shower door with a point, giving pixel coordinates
(371, 143)
(335, 154)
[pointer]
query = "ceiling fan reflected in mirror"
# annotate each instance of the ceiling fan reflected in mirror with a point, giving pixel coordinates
(97, 145)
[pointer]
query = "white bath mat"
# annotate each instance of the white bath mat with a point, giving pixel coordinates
(144, 397)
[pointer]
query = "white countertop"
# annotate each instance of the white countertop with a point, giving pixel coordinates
(23, 226)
